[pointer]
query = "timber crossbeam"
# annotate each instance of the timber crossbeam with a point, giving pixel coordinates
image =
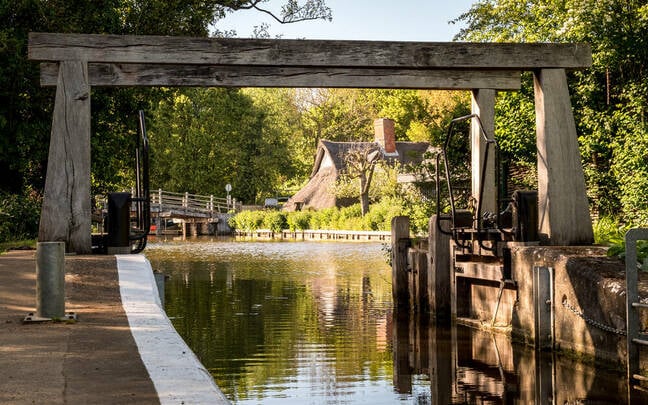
(310, 53)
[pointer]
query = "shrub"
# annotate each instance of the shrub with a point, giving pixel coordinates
(299, 220)
(247, 220)
(275, 221)
(19, 216)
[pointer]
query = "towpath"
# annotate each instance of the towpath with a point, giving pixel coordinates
(95, 360)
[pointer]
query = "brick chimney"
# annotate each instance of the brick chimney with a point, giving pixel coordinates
(384, 134)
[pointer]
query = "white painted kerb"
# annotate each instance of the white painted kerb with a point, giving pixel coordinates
(176, 372)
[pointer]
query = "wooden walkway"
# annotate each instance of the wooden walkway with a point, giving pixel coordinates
(199, 214)
(184, 205)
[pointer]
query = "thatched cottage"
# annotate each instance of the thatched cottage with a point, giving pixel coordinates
(330, 162)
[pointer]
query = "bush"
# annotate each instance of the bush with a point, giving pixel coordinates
(608, 231)
(349, 218)
(299, 220)
(275, 221)
(247, 220)
(19, 216)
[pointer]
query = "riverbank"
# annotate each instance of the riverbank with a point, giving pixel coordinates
(123, 348)
(317, 234)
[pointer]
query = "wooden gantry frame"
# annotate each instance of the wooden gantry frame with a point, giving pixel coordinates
(74, 63)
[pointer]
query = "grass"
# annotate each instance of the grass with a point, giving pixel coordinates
(17, 244)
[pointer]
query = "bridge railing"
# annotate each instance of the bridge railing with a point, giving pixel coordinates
(167, 200)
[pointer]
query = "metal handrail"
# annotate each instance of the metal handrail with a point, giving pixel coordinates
(489, 141)
(634, 335)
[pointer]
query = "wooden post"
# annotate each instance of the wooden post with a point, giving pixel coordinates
(439, 288)
(66, 211)
(563, 208)
(400, 244)
(483, 104)
(422, 298)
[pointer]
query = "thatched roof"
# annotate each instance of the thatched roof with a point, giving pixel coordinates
(330, 162)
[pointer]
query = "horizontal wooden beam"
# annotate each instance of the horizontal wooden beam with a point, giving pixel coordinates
(114, 74)
(319, 53)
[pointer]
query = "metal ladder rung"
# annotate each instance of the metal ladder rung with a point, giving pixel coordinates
(640, 342)
(639, 305)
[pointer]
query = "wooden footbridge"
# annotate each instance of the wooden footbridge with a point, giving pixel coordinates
(196, 212)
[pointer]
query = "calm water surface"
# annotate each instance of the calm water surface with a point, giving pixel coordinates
(312, 322)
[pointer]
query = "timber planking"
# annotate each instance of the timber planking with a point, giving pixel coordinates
(306, 53)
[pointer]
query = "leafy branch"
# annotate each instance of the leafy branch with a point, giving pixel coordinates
(291, 12)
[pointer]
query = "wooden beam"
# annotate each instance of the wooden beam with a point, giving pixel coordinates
(483, 104)
(65, 214)
(109, 74)
(563, 208)
(293, 52)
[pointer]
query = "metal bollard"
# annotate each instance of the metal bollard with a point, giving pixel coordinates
(50, 280)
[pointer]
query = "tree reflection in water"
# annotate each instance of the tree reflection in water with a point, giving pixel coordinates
(312, 322)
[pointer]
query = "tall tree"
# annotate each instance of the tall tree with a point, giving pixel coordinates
(25, 107)
(202, 139)
(610, 99)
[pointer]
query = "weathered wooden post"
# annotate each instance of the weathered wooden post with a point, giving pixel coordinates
(66, 210)
(419, 271)
(439, 274)
(400, 231)
(563, 207)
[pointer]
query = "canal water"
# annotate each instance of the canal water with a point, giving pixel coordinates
(312, 322)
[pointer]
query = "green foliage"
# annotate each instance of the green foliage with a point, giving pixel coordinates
(247, 220)
(348, 218)
(26, 107)
(18, 245)
(275, 221)
(202, 139)
(608, 231)
(19, 216)
(298, 220)
(609, 98)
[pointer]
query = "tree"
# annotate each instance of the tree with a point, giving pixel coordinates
(203, 139)
(360, 162)
(26, 108)
(610, 98)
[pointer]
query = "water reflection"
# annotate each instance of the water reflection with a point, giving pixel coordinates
(468, 366)
(312, 322)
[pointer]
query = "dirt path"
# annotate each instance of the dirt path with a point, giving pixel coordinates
(92, 361)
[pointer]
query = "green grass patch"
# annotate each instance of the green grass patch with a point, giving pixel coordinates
(17, 245)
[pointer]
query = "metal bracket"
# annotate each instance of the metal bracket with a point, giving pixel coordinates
(67, 317)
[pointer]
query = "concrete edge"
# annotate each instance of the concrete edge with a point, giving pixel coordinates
(176, 372)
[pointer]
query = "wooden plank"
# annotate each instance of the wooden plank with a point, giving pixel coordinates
(107, 74)
(294, 52)
(66, 213)
(563, 208)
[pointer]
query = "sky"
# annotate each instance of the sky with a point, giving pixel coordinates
(386, 20)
